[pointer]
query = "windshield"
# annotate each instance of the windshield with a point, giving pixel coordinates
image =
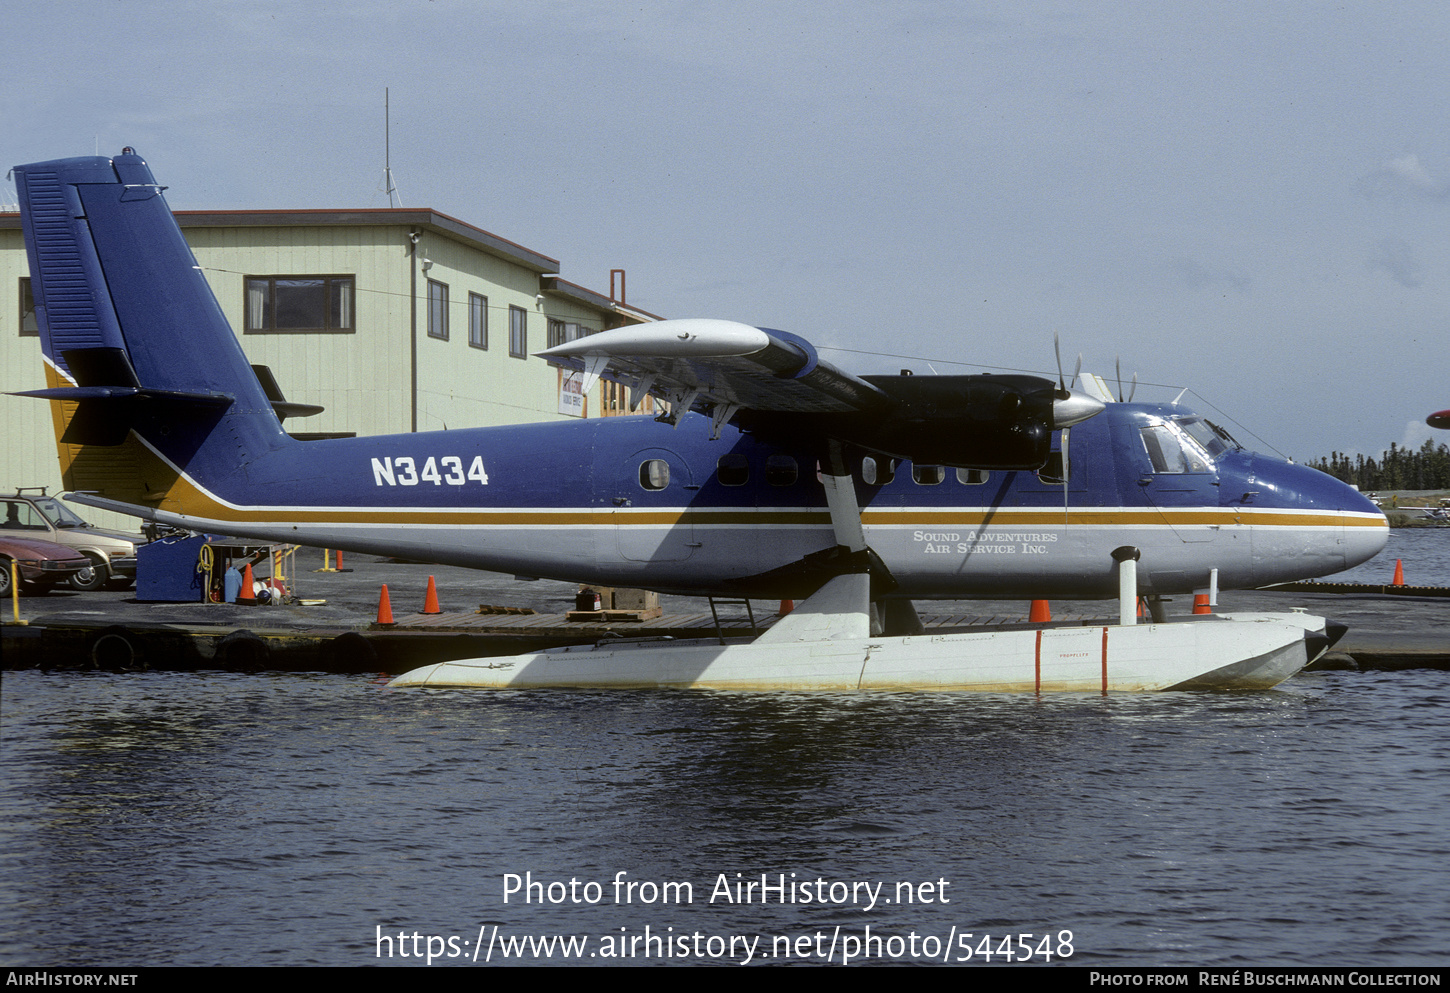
(58, 513)
(1214, 439)
(1172, 449)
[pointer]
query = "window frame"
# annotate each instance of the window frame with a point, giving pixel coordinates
(25, 292)
(732, 469)
(781, 470)
(518, 332)
(880, 471)
(478, 321)
(437, 310)
(928, 474)
(654, 475)
(329, 280)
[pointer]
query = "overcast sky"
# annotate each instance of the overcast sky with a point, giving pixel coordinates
(1251, 200)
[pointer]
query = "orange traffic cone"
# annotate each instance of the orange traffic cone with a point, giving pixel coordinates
(385, 607)
(1399, 573)
(246, 596)
(1200, 604)
(430, 602)
(786, 606)
(1040, 612)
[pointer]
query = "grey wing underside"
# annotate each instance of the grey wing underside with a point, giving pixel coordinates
(717, 368)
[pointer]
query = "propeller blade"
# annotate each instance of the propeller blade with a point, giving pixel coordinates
(1066, 472)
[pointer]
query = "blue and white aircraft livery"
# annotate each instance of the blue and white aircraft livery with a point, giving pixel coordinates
(771, 473)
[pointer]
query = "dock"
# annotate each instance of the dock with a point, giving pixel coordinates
(482, 614)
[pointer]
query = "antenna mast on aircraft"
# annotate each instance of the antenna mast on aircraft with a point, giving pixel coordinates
(388, 185)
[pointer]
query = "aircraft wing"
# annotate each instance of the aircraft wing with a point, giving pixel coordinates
(720, 367)
(767, 377)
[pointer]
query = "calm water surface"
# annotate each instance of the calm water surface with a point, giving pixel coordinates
(285, 819)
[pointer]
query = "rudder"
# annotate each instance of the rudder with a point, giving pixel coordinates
(139, 354)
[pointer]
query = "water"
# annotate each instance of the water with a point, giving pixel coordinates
(1424, 551)
(212, 818)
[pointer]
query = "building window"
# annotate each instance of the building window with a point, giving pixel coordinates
(292, 304)
(560, 332)
(478, 320)
(29, 327)
(518, 332)
(437, 310)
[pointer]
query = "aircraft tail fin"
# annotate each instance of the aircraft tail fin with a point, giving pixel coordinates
(142, 367)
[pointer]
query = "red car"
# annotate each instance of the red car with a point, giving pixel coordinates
(40, 564)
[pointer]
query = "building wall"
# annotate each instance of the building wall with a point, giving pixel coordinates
(362, 378)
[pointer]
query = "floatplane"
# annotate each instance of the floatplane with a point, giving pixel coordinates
(771, 474)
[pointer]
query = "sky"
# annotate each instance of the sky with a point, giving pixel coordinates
(1248, 200)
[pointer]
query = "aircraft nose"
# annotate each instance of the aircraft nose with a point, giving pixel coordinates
(1364, 542)
(1337, 526)
(1366, 529)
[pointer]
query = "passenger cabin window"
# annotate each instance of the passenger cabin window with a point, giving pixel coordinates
(654, 474)
(1171, 450)
(973, 477)
(733, 470)
(781, 470)
(928, 475)
(298, 304)
(877, 472)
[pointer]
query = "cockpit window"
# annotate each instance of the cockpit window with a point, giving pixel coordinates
(1171, 449)
(1213, 439)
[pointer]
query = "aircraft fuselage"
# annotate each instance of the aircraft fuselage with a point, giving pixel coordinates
(632, 502)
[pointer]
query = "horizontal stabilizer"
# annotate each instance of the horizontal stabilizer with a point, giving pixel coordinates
(105, 414)
(285, 408)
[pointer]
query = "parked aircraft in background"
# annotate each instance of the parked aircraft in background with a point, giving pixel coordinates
(772, 473)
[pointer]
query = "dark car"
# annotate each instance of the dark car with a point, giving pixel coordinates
(40, 564)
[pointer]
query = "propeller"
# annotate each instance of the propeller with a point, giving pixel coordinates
(1133, 388)
(1062, 385)
(1064, 393)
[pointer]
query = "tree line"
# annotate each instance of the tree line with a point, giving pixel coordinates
(1427, 468)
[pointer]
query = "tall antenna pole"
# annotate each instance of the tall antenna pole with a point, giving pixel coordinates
(388, 184)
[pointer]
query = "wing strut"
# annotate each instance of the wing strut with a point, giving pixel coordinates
(841, 609)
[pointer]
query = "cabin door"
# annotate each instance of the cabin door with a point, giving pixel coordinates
(653, 489)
